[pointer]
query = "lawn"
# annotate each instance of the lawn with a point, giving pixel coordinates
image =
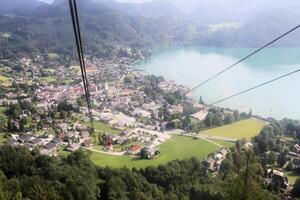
(243, 129)
(292, 177)
(3, 78)
(2, 109)
(49, 79)
(224, 143)
(100, 126)
(53, 56)
(67, 81)
(178, 147)
(4, 81)
(2, 138)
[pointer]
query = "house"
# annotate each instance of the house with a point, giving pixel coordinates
(223, 151)
(82, 128)
(73, 147)
(61, 136)
(277, 179)
(295, 163)
(12, 142)
(28, 146)
(248, 145)
(218, 156)
(139, 112)
(46, 152)
(71, 134)
(108, 148)
(87, 143)
(122, 120)
(121, 140)
(210, 164)
(149, 152)
(214, 162)
(36, 142)
(111, 138)
(63, 127)
(85, 134)
(50, 146)
(296, 148)
(57, 141)
(134, 150)
(25, 138)
(124, 133)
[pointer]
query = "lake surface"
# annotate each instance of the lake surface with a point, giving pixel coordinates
(191, 66)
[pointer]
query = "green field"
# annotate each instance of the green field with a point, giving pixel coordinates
(243, 129)
(100, 126)
(2, 109)
(292, 177)
(49, 70)
(4, 81)
(49, 79)
(2, 138)
(178, 147)
(53, 56)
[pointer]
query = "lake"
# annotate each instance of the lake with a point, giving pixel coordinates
(190, 66)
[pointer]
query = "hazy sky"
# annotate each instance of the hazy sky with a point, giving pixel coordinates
(189, 5)
(185, 5)
(132, 1)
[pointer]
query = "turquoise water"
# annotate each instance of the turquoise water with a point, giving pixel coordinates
(190, 66)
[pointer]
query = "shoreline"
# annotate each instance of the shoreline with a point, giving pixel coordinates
(259, 112)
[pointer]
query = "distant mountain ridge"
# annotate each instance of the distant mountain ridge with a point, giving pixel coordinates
(48, 28)
(154, 9)
(19, 6)
(108, 26)
(257, 31)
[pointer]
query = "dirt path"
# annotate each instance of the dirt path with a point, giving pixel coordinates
(108, 153)
(203, 138)
(218, 138)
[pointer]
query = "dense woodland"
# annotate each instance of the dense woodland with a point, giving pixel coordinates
(29, 175)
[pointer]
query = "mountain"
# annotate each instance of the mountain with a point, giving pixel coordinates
(154, 9)
(265, 26)
(106, 28)
(258, 30)
(18, 6)
(215, 12)
(49, 28)
(238, 11)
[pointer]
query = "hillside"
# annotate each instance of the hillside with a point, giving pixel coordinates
(48, 28)
(107, 26)
(19, 6)
(153, 9)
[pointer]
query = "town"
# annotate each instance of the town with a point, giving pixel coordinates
(132, 114)
(54, 116)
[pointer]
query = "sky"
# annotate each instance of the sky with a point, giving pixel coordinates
(131, 1)
(185, 5)
(189, 5)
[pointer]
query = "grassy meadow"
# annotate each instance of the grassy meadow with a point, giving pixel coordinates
(4, 81)
(178, 147)
(243, 129)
